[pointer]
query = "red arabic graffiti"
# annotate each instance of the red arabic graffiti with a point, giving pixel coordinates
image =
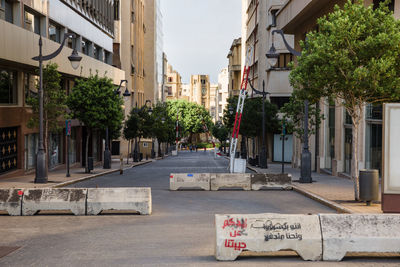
(238, 224)
(230, 243)
(237, 233)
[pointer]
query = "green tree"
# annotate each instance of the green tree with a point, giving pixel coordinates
(221, 132)
(192, 117)
(94, 102)
(354, 58)
(54, 103)
(293, 115)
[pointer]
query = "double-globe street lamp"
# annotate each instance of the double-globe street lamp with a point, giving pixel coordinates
(74, 58)
(273, 56)
(150, 111)
(107, 153)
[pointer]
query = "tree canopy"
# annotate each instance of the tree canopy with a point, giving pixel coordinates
(353, 57)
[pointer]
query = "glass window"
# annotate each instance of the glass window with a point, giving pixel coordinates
(32, 22)
(116, 9)
(7, 8)
(31, 83)
(31, 148)
(55, 150)
(54, 32)
(8, 87)
(374, 112)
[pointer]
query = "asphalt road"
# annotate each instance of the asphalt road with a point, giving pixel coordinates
(180, 232)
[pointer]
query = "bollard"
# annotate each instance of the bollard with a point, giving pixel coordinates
(121, 165)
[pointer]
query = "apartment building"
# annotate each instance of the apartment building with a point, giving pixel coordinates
(235, 67)
(173, 85)
(331, 147)
(213, 101)
(21, 24)
(222, 93)
(259, 20)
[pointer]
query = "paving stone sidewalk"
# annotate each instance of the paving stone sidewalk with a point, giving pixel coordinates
(336, 192)
(57, 178)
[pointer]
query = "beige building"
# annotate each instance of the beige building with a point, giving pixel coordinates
(214, 102)
(173, 86)
(200, 90)
(21, 24)
(331, 147)
(186, 92)
(222, 93)
(235, 67)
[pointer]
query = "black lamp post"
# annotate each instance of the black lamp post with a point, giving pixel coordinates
(74, 58)
(107, 153)
(230, 110)
(263, 155)
(136, 151)
(272, 55)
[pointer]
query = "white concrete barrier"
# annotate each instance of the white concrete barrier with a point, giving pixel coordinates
(127, 199)
(270, 180)
(267, 233)
(344, 233)
(11, 201)
(230, 180)
(189, 181)
(50, 199)
(174, 153)
(239, 166)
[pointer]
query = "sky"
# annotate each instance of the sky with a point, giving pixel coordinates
(198, 35)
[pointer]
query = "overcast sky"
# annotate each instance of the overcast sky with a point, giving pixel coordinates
(198, 34)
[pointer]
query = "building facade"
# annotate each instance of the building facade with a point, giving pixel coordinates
(173, 86)
(235, 67)
(222, 94)
(200, 90)
(21, 24)
(331, 147)
(213, 101)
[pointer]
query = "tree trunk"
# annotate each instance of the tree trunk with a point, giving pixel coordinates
(354, 159)
(46, 143)
(87, 152)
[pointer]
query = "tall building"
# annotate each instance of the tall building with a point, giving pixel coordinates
(235, 67)
(21, 24)
(331, 146)
(160, 56)
(150, 50)
(173, 86)
(214, 102)
(223, 93)
(200, 90)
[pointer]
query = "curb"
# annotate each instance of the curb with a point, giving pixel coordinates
(95, 175)
(313, 196)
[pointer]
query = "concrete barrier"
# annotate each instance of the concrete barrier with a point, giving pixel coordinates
(11, 201)
(73, 199)
(344, 233)
(267, 233)
(189, 181)
(129, 198)
(269, 180)
(230, 180)
(174, 153)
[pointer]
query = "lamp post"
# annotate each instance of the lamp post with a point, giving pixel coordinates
(263, 161)
(107, 153)
(230, 110)
(135, 151)
(74, 58)
(272, 55)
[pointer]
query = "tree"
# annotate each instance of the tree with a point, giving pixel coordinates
(353, 58)
(192, 117)
(54, 104)
(131, 127)
(293, 115)
(220, 132)
(94, 102)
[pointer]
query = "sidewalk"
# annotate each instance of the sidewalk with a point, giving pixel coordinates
(57, 178)
(335, 192)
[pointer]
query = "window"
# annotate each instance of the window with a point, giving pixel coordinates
(30, 86)
(170, 79)
(54, 32)
(8, 87)
(116, 9)
(6, 10)
(32, 21)
(273, 17)
(284, 60)
(133, 17)
(203, 81)
(279, 101)
(169, 90)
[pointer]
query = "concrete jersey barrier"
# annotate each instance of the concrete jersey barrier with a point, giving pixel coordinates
(73, 199)
(11, 201)
(270, 180)
(344, 233)
(189, 180)
(128, 198)
(267, 232)
(230, 180)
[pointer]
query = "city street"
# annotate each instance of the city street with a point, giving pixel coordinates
(180, 232)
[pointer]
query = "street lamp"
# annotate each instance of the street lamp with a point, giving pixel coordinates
(135, 151)
(107, 153)
(263, 161)
(74, 58)
(272, 56)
